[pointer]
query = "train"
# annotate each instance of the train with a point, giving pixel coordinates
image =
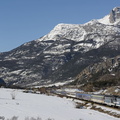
(110, 100)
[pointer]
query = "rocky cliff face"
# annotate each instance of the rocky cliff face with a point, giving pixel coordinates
(115, 15)
(100, 75)
(62, 54)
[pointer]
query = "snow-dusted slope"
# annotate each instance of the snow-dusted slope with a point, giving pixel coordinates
(69, 31)
(87, 36)
(27, 106)
(105, 20)
(100, 31)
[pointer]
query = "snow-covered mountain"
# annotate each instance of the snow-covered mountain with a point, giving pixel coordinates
(63, 53)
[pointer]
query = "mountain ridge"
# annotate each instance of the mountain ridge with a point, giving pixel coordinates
(61, 54)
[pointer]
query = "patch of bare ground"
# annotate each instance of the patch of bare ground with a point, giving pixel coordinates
(100, 109)
(106, 111)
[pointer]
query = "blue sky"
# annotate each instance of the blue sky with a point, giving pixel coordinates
(22, 21)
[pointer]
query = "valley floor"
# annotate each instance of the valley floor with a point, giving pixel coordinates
(28, 105)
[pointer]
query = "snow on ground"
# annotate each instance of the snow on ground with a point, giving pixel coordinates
(55, 84)
(37, 105)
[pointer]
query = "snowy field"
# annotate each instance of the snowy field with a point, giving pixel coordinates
(28, 105)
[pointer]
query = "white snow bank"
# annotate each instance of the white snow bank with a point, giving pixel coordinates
(36, 105)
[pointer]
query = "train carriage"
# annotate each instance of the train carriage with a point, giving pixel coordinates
(97, 98)
(83, 96)
(79, 95)
(110, 100)
(118, 101)
(86, 96)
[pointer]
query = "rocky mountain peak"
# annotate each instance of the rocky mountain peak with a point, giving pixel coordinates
(115, 15)
(113, 18)
(65, 31)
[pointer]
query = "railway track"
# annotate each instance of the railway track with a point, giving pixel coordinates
(88, 101)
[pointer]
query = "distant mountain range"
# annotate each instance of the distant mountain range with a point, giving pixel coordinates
(74, 52)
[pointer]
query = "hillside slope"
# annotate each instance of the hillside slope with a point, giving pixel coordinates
(63, 53)
(100, 75)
